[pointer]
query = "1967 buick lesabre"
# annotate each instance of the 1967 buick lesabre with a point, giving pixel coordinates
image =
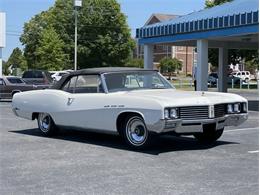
(135, 103)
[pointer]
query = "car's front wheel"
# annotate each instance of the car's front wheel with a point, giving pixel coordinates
(209, 135)
(46, 124)
(135, 133)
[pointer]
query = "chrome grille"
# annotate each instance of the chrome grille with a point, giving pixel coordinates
(194, 112)
(219, 110)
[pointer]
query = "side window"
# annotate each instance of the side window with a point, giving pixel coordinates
(70, 85)
(28, 74)
(243, 73)
(84, 84)
(88, 84)
(132, 81)
(238, 74)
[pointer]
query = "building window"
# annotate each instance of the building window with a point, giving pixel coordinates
(180, 48)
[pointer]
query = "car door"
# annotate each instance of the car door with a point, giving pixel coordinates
(5, 91)
(85, 103)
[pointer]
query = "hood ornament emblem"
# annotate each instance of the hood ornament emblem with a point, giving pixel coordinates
(202, 93)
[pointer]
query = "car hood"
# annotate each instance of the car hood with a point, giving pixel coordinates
(172, 97)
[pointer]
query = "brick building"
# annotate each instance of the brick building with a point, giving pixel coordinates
(186, 55)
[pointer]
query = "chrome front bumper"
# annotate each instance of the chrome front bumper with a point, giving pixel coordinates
(196, 126)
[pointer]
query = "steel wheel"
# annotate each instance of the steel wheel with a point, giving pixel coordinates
(136, 131)
(46, 124)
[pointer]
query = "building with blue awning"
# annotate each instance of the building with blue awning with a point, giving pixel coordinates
(233, 25)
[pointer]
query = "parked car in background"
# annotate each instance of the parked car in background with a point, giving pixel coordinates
(134, 103)
(9, 85)
(213, 79)
(57, 75)
(244, 75)
(37, 77)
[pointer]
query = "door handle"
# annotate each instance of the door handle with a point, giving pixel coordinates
(70, 101)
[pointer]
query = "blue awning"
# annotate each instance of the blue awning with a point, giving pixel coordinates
(238, 16)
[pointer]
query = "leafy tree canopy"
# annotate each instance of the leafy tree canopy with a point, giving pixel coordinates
(170, 64)
(103, 34)
(212, 3)
(16, 59)
(49, 53)
(135, 62)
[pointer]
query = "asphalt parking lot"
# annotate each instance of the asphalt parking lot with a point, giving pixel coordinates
(90, 163)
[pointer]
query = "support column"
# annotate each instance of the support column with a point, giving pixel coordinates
(222, 69)
(202, 65)
(148, 56)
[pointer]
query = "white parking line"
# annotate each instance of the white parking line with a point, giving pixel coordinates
(252, 152)
(245, 129)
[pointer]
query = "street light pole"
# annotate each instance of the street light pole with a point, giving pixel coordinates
(77, 4)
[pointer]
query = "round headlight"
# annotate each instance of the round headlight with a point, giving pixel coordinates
(230, 108)
(236, 108)
(166, 114)
(173, 113)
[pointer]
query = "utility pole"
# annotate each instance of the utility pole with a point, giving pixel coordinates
(77, 4)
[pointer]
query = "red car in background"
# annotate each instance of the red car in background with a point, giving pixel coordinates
(9, 85)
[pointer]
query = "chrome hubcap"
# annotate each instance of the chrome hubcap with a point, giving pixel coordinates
(44, 122)
(136, 131)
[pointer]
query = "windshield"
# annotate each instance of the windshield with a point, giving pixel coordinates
(127, 81)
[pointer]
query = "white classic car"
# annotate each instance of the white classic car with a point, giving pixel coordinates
(134, 103)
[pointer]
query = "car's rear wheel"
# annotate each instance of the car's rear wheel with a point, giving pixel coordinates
(135, 133)
(46, 124)
(209, 135)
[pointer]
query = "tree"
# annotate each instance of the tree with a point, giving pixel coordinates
(5, 68)
(212, 3)
(103, 34)
(49, 53)
(16, 59)
(135, 62)
(31, 37)
(170, 65)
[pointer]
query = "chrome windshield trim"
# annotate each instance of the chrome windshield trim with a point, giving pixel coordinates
(103, 81)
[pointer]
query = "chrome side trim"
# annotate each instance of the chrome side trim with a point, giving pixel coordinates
(103, 81)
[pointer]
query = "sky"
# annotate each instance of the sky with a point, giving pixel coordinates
(137, 11)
